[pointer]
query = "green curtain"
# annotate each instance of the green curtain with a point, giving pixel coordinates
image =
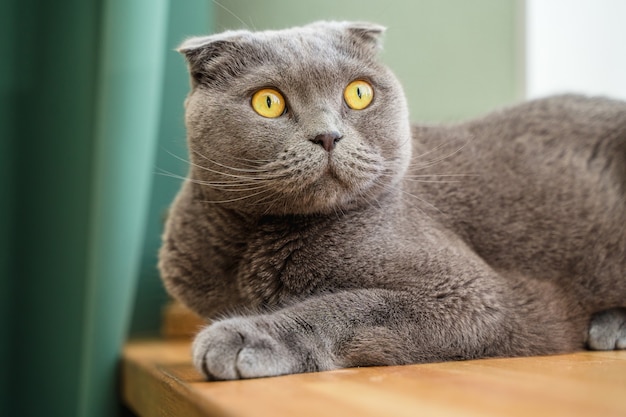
(82, 90)
(47, 100)
(192, 19)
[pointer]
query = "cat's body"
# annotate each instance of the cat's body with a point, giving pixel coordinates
(500, 236)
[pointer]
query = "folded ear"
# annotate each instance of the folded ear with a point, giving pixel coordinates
(204, 52)
(363, 36)
(370, 34)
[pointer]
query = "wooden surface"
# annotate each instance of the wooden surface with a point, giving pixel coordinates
(179, 321)
(159, 380)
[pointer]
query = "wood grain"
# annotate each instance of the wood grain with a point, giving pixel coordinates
(159, 380)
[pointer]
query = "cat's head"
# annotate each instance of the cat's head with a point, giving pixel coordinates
(298, 121)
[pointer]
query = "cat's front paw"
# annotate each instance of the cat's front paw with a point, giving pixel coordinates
(241, 348)
(607, 330)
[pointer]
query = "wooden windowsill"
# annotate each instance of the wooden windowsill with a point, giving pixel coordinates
(159, 380)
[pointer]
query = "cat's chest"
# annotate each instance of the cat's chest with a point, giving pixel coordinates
(283, 261)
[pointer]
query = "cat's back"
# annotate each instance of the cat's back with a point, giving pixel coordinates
(574, 142)
(566, 124)
(537, 188)
(571, 141)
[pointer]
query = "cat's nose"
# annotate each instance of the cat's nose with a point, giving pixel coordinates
(327, 140)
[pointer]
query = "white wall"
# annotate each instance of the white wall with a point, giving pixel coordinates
(576, 46)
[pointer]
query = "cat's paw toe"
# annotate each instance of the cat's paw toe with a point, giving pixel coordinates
(238, 348)
(607, 330)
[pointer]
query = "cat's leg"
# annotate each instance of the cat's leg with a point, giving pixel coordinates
(299, 338)
(607, 330)
(375, 327)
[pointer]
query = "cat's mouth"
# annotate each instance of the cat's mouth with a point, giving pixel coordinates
(330, 179)
(330, 172)
(315, 183)
(334, 185)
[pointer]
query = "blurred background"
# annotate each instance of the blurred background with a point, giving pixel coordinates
(91, 112)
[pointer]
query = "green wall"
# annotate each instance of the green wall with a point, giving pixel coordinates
(455, 58)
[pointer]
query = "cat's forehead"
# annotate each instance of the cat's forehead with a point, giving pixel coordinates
(297, 40)
(321, 32)
(291, 48)
(233, 53)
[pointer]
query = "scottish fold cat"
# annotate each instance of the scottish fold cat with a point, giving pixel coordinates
(319, 230)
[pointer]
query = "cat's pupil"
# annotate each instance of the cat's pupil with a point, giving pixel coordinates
(358, 92)
(269, 102)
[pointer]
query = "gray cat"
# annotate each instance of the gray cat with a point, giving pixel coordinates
(319, 230)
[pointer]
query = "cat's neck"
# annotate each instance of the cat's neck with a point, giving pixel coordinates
(244, 223)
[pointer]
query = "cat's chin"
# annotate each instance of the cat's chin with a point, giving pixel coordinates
(326, 196)
(311, 206)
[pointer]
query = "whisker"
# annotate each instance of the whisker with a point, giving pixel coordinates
(371, 198)
(240, 177)
(232, 200)
(232, 185)
(254, 165)
(421, 200)
(230, 12)
(433, 181)
(436, 178)
(268, 197)
(436, 148)
(236, 190)
(161, 171)
(256, 162)
(224, 173)
(441, 175)
(438, 160)
(243, 170)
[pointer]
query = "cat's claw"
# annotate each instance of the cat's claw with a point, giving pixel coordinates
(607, 330)
(236, 348)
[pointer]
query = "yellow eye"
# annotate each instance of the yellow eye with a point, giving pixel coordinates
(358, 94)
(268, 103)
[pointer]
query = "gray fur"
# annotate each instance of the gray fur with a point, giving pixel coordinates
(500, 236)
(607, 330)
